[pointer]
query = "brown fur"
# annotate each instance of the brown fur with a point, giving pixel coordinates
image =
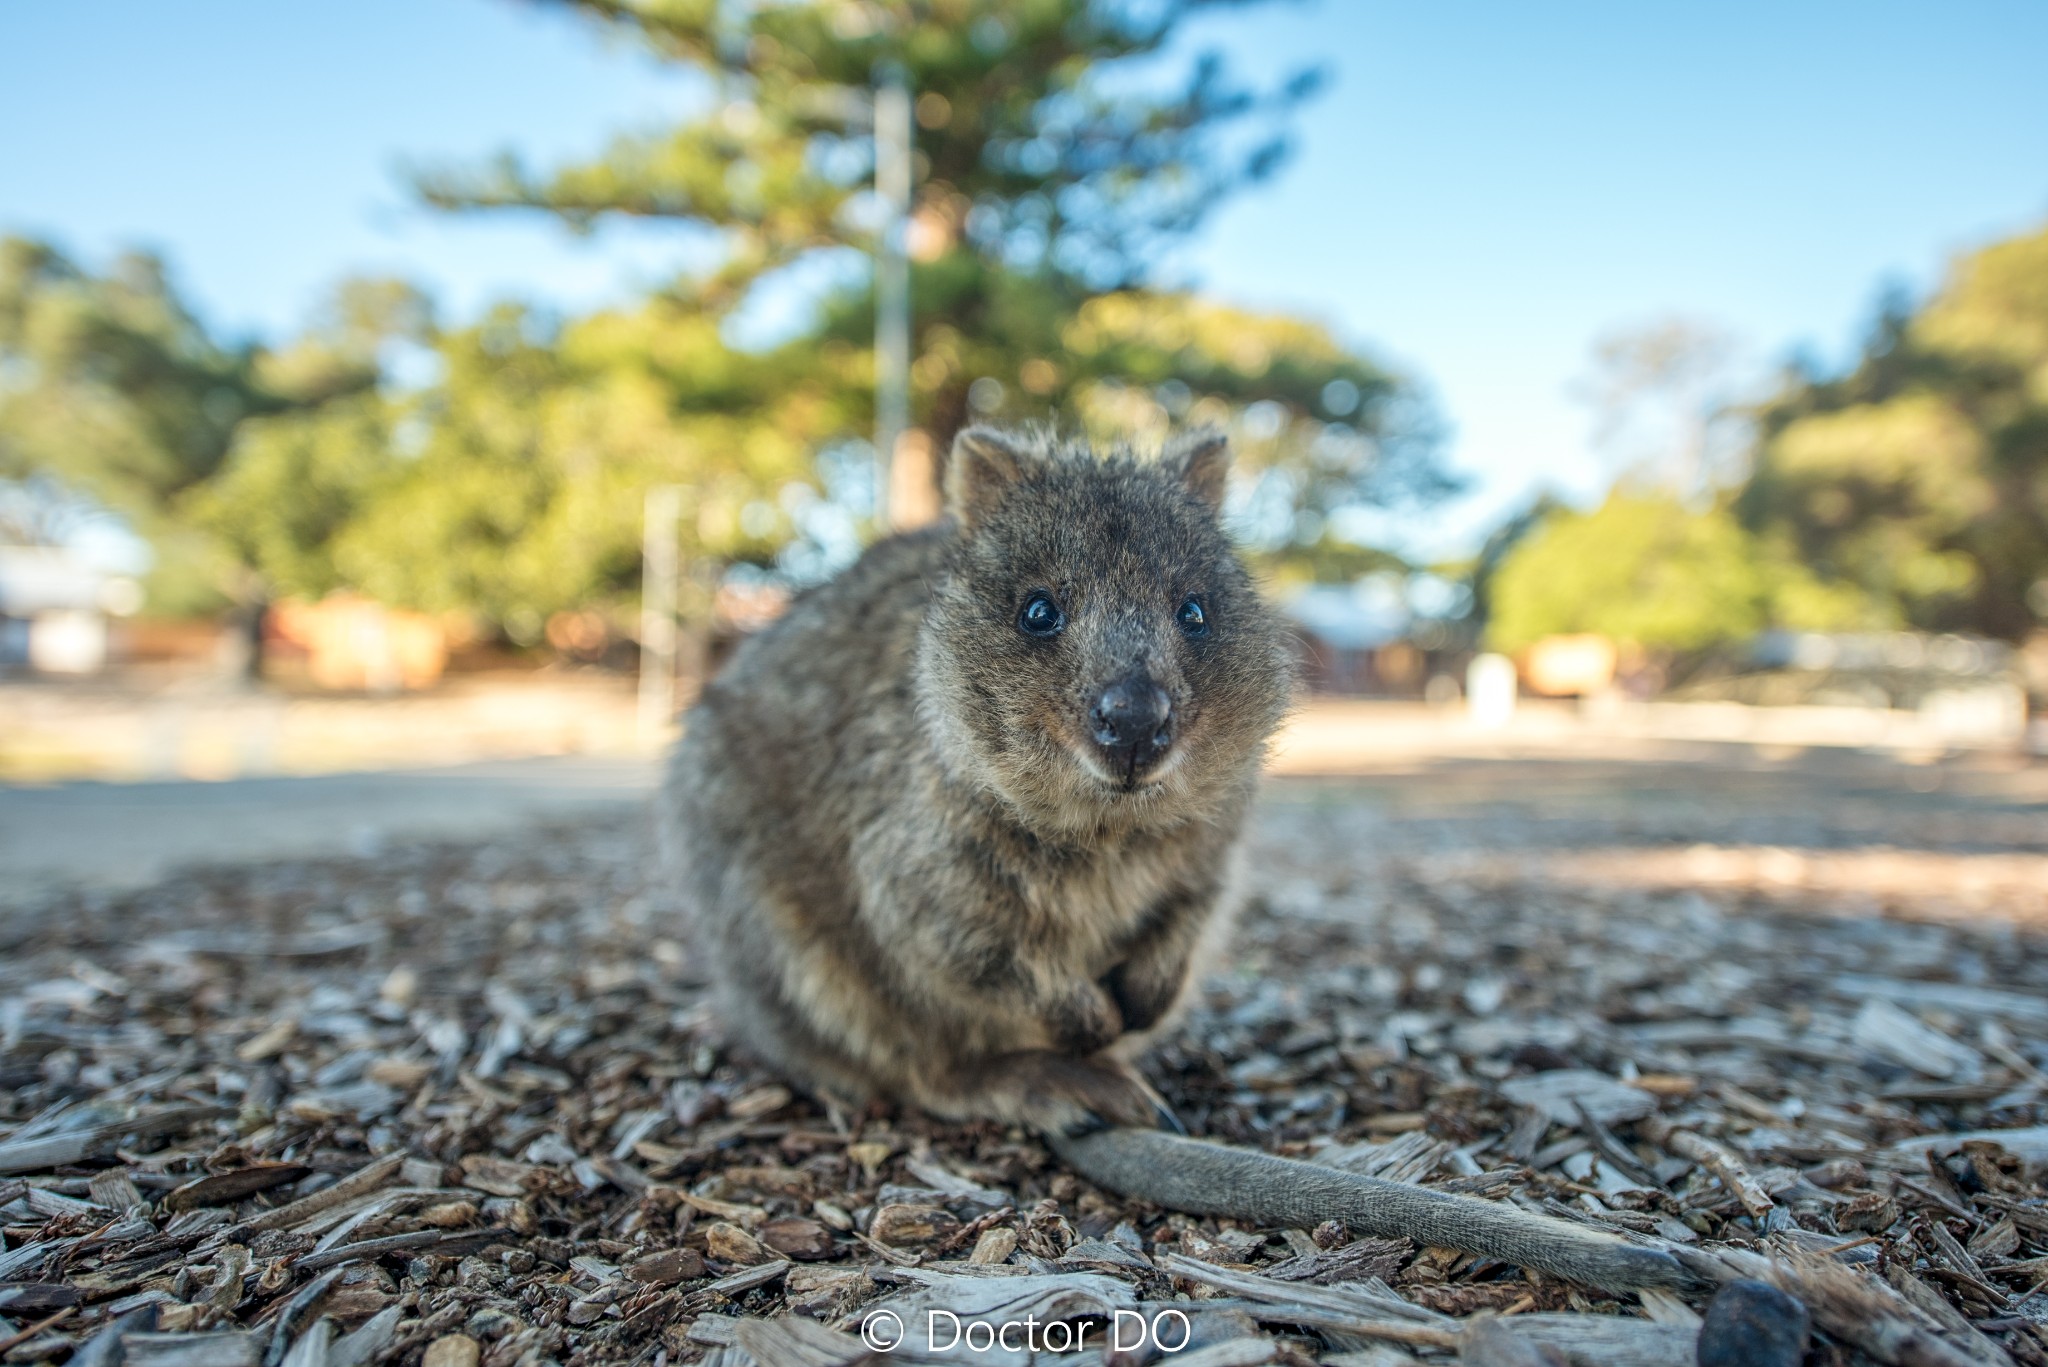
(913, 870)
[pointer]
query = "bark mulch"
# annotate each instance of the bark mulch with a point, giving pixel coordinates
(463, 1104)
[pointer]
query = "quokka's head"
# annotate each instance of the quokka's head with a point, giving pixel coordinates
(1095, 649)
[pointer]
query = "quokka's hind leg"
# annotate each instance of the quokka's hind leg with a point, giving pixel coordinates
(1051, 1092)
(757, 1027)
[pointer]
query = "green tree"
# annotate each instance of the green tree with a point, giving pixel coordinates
(1042, 145)
(523, 493)
(1050, 179)
(510, 486)
(1920, 478)
(293, 482)
(1648, 571)
(110, 384)
(1056, 165)
(292, 485)
(115, 397)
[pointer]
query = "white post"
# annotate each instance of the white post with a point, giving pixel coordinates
(659, 562)
(892, 277)
(1490, 689)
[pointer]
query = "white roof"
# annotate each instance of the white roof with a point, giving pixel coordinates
(45, 579)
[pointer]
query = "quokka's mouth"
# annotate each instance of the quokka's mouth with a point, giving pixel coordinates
(1126, 775)
(1118, 773)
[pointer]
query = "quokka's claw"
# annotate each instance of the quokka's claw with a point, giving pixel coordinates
(1088, 1123)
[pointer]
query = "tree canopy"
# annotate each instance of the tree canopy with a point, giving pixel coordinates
(1910, 491)
(1640, 569)
(1060, 156)
(110, 383)
(1045, 145)
(1062, 148)
(1919, 480)
(114, 397)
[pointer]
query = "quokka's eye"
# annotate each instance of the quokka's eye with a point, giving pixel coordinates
(1041, 616)
(1193, 620)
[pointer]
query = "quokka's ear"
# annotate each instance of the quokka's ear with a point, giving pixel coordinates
(986, 463)
(1201, 457)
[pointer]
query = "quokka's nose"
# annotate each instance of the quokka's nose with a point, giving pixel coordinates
(1134, 720)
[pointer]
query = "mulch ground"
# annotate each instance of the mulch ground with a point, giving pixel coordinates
(462, 1104)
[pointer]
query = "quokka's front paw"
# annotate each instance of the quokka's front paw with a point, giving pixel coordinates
(1145, 993)
(1085, 1021)
(1060, 1094)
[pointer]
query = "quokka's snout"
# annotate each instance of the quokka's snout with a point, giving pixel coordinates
(1133, 694)
(1132, 724)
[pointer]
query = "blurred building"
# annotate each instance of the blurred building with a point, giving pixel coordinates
(1911, 689)
(349, 643)
(1570, 666)
(1355, 638)
(1902, 670)
(56, 610)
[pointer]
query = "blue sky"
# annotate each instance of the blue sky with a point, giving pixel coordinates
(1481, 192)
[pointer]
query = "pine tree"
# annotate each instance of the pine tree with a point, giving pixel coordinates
(1056, 167)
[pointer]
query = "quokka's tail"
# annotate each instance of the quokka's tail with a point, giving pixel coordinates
(1200, 1178)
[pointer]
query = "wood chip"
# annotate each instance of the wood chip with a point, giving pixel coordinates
(1886, 1030)
(667, 1267)
(452, 1350)
(226, 1188)
(363, 1180)
(908, 1226)
(1719, 1160)
(95, 1141)
(728, 1243)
